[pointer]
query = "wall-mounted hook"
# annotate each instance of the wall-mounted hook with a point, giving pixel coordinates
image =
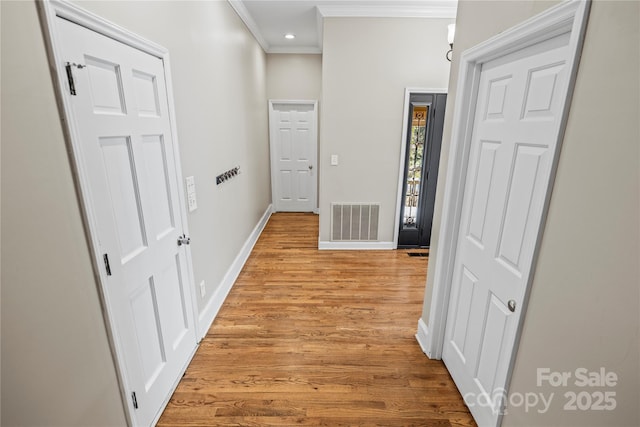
(225, 176)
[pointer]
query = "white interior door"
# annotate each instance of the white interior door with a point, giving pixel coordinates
(120, 112)
(518, 113)
(294, 148)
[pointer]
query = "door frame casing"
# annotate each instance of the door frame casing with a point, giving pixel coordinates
(49, 11)
(568, 17)
(272, 148)
(403, 151)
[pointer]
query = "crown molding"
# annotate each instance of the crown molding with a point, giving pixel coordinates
(435, 9)
(319, 28)
(245, 16)
(311, 50)
(445, 9)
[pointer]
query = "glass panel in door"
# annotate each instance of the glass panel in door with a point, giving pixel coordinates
(418, 136)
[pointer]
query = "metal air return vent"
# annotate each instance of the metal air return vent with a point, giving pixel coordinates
(354, 222)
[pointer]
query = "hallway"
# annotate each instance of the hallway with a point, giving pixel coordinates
(310, 337)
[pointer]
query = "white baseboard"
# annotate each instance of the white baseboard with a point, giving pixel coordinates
(423, 338)
(355, 246)
(210, 311)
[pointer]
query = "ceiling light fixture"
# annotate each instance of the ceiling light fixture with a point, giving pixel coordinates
(450, 35)
(289, 36)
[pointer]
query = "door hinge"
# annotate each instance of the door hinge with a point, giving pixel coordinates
(107, 267)
(134, 399)
(72, 86)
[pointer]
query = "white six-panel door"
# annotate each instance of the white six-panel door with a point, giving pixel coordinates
(293, 139)
(120, 111)
(519, 109)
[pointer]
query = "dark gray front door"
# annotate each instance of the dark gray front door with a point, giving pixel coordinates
(424, 138)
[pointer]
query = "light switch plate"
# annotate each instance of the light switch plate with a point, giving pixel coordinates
(191, 193)
(334, 160)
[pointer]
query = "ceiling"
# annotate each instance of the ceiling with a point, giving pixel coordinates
(270, 20)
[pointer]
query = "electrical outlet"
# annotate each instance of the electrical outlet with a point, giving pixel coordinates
(203, 289)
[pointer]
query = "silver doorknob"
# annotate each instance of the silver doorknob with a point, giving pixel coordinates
(511, 305)
(183, 240)
(310, 167)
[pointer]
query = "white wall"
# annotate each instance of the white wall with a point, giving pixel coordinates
(294, 76)
(584, 305)
(366, 65)
(56, 363)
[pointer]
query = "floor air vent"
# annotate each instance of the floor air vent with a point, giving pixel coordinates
(354, 222)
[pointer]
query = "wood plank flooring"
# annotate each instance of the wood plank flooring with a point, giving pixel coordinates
(317, 338)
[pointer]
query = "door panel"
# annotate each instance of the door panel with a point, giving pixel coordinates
(105, 83)
(121, 114)
(159, 189)
(541, 90)
(146, 94)
(286, 192)
(482, 185)
(496, 98)
(123, 194)
(521, 193)
(293, 152)
(172, 303)
(460, 328)
(302, 145)
(497, 318)
(286, 146)
(516, 122)
(303, 185)
(144, 311)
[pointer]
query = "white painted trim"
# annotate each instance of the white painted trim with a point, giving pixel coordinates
(294, 101)
(570, 16)
(73, 13)
(320, 28)
(302, 50)
(246, 17)
(210, 311)
(49, 11)
(272, 148)
(355, 246)
(403, 152)
(422, 336)
(431, 9)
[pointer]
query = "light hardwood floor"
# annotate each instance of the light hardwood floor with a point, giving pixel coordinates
(320, 338)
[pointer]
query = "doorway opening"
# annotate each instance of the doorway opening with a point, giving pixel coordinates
(116, 98)
(505, 145)
(293, 140)
(424, 120)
